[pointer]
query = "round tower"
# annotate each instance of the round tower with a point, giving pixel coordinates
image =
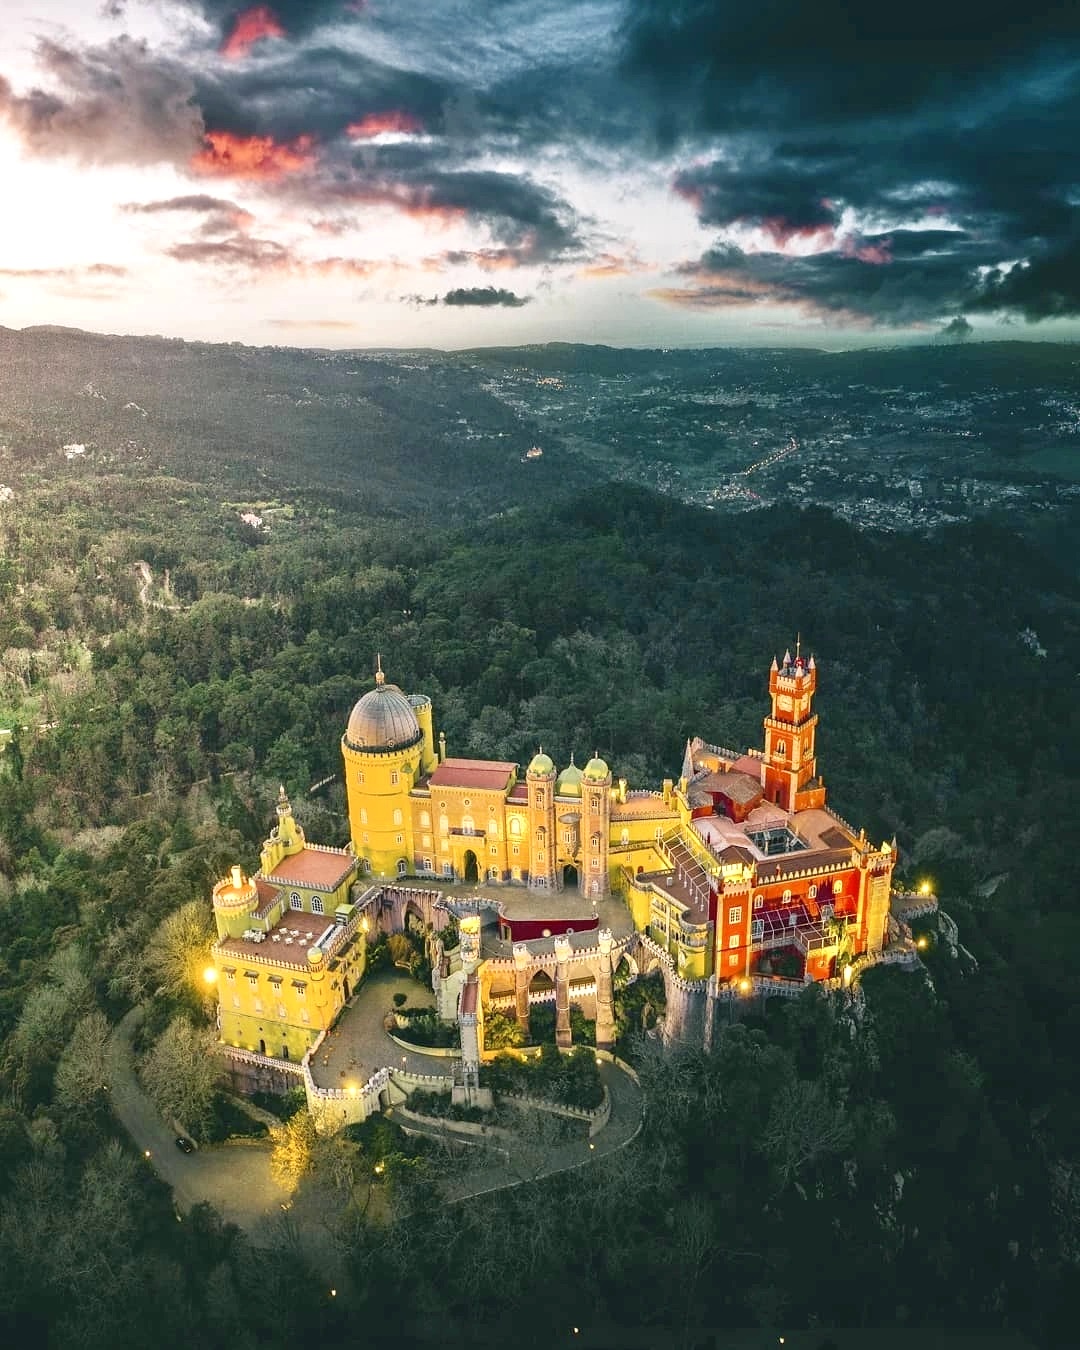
(595, 828)
(235, 900)
(383, 750)
(540, 781)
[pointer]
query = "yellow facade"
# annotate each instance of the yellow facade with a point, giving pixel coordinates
(291, 947)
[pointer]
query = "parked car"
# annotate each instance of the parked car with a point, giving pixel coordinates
(184, 1144)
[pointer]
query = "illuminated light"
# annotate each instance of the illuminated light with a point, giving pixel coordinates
(745, 986)
(146, 1153)
(333, 1294)
(379, 1168)
(209, 975)
(364, 923)
(922, 944)
(924, 889)
(353, 1089)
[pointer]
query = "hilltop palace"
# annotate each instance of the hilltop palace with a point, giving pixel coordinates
(724, 877)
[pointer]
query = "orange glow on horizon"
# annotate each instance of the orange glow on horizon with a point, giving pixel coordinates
(227, 156)
(250, 27)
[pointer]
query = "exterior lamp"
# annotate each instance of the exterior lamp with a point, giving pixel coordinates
(924, 889)
(847, 975)
(210, 975)
(379, 1168)
(745, 986)
(922, 944)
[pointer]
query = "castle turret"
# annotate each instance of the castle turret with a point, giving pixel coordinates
(286, 838)
(235, 899)
(540, 781)
(383, 749)
(789, 766)
(595, 828)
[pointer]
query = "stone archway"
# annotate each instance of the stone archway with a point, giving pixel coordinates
(570, 877)
(472, 867)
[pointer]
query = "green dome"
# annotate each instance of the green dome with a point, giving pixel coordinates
(541, 764)
(568, 783)
(596, 771)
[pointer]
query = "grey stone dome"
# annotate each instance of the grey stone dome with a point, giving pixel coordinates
(382, 720)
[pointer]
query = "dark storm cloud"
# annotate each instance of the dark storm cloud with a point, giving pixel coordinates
(295, 17)
(484, 295)
(120, 104)
(711, 65)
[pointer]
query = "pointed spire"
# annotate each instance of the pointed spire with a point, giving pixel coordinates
(284, 807)
(688, 762)
(572, 764)
(380, 678)
(774, 666)
(798, 645)
(787, 657)
(812, 664)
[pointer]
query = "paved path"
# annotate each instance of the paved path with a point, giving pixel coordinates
(235, 1179)
(359, 1045)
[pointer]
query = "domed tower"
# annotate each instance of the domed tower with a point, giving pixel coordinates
(382, 748)
(540, 780)
(595, 828)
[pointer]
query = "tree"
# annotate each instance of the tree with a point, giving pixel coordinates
(293, 1149)
(180, 1073)
(80, 1073)
(803, 1126)
(178, 949)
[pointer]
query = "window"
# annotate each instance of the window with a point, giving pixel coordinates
(596, 843)
(494, 850)
(230, 976)
(837, 886)
(394, 776)
(363, 815)
(425, 820)
(444, 825)
(466, 802)
(515, 825)
(427, 864)
(281, 1014)
(360, 775)
(787, 897)
(781, 748)
(757, 930)
(733, 960)
(625, 835)
(258, 1005)
(516, 849)
(402, 867)
(366, 838)
(236, 1000)
(399, 838)
(758, 902)
(448, 870)
(539, 796)
(252, 977)
(316, 904)
(734, 914)
(596, 864)
(540, 856)
(594, 800)
(397, 817)
(304, 1015)
(515, 873)
(493, 874)
(813, 892)
(467, 826)
(733, 941)
(493, 826)
(541, 835)
(568, 837)
(294, 901)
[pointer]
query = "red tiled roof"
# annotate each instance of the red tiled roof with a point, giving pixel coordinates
(482, 775)
(747, 764)
(519, 793)
(267, 894)
(325, 869)
(468, 996)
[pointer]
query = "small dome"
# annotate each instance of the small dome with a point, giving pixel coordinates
(596, 771)
(541, 764)
(383, 719)
(568, 783)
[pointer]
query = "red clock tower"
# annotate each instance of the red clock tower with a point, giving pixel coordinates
(789, 772)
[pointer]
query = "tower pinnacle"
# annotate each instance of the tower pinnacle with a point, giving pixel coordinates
(380, 678)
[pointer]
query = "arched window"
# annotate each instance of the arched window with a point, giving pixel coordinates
(467, 825)
(787, 897)
(493, 827)
(294, 901)
(781, 748)
(394, 778)
(515, 826)
(402, 867)
(541, 835)
(813, 892)
(425, 820)
(316, 904)
(493, 874)
(539, 796)
(444, 824)
(596, 843)
(397, 817)
(837, 886)
(625, 835)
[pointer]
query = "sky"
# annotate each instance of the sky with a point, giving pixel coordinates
(454, 173)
